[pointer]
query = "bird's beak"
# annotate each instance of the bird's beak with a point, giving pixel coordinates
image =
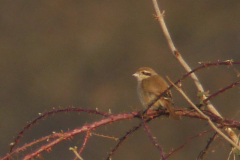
(135, 75)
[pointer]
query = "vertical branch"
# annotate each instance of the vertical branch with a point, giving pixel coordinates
(83, 145)
(203, 153)
(153, 139)
(122, 139)
(160, 19)
(178, 56)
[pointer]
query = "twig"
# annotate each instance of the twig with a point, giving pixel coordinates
(203, 153)
(46, 138)
(153, 139)
(189, 139)
(122, 139)
(76, 153)
(83, 145)
(222, 90)
(104, 136)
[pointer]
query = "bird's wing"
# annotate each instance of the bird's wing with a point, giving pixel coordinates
(157, 85)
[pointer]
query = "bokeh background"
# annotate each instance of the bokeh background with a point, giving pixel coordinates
(57, 54)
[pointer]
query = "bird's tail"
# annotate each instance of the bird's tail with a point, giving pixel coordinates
(171, 111)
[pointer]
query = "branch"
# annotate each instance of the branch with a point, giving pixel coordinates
(222, 90)
(203, 153)
(178, 56)
(205, 116)
(70, 134)
(188, 140)
(122, 139)
(153, 139)
(83, 145)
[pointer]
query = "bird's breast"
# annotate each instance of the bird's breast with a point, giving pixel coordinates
(146, 98)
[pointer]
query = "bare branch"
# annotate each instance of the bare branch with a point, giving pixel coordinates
(153, 139)
(121, 140)
(83, 145)
(203, 153)
(76, 153)
(178, 56)
(188, 140)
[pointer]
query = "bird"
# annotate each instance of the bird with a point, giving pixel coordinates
(150, 86)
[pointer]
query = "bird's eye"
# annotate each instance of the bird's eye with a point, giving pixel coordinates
(146, 73)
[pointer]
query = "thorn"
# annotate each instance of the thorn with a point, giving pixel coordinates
(11, 144)
(229, 61)
(179, 85)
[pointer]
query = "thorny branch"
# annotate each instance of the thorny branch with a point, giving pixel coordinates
(54, 111)
(153, 139)
(203, 153)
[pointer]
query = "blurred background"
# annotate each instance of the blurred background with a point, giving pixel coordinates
(57, 54)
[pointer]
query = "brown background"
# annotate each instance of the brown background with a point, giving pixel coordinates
(83, 53)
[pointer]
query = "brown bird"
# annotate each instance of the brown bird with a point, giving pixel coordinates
(150, 86)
